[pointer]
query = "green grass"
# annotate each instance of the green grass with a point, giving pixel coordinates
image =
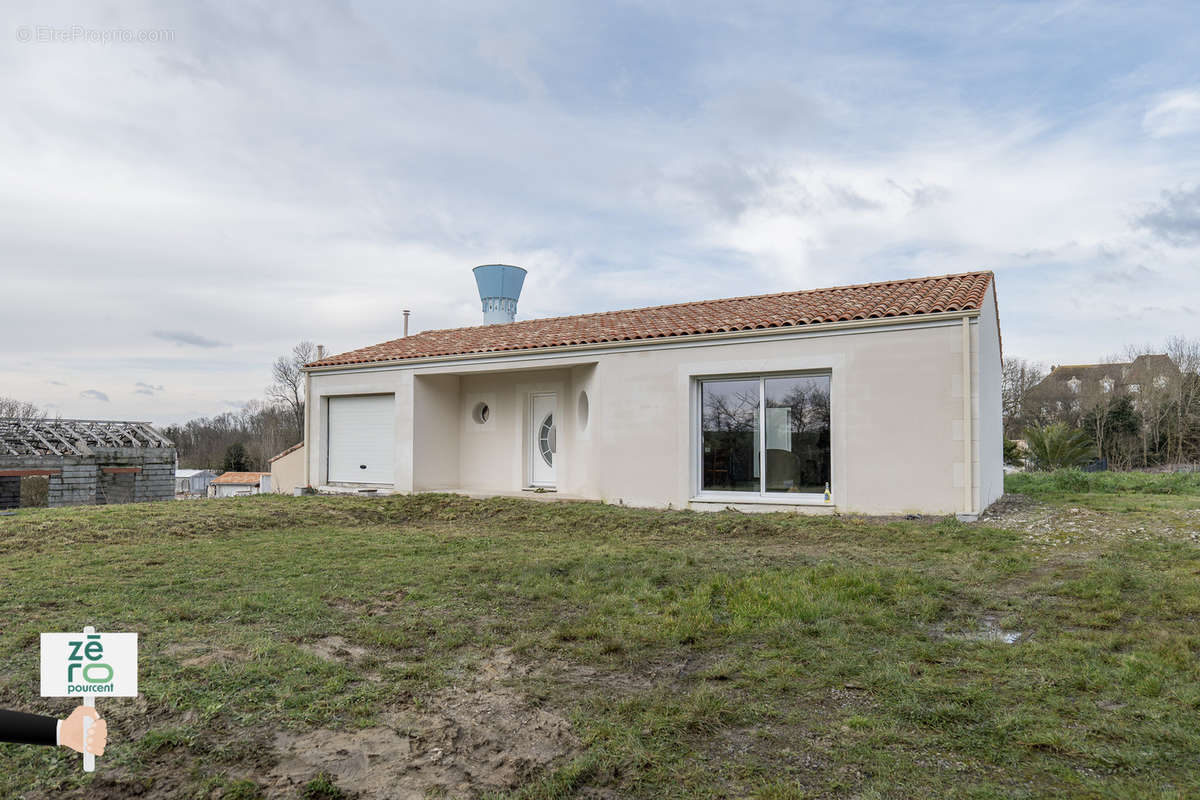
(726, 655)
(1076, 481)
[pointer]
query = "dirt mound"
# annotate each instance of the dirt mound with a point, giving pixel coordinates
(464, 741)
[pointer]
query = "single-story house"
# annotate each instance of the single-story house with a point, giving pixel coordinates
(287, 470)
(880, 398)
(193, 481)
(240, 484)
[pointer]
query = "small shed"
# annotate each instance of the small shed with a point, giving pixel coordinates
(86, 462)
(193, 482)
(241, 484)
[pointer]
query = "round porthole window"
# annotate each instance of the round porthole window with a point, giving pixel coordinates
(582, 412)
(480, 413)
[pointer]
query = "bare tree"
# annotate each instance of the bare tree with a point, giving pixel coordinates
(1186, 355)
(11, 407)
(288, 388)
(1017, 377)
(1152, 395)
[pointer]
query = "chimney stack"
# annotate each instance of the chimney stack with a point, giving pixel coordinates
(406, 313)
(499, 288)
(320, 352)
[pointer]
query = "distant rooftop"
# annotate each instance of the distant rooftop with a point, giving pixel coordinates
(241, 478)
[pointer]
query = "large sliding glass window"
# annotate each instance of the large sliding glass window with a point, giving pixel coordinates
(765, 434)
(729, 429)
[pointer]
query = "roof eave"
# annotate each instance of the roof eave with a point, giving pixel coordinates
(634, 344)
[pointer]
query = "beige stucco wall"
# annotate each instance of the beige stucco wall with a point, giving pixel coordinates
(288, 472)
(435, 440)
(989, 409)
(896, 407)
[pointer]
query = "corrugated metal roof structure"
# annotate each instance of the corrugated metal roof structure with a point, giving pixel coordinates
(73, 437)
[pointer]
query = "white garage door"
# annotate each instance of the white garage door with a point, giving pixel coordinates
(362, 439)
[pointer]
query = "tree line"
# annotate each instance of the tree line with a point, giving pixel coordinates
(1138, 410)
(236, 441)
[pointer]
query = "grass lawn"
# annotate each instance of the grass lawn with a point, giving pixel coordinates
(572, 650)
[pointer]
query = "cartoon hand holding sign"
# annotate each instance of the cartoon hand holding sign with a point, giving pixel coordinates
(86, 665)
(18, 728)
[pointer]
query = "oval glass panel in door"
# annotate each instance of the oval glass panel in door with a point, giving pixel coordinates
(547, 440)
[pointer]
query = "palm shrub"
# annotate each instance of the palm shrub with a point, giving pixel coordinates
(1013, 455)
(1058, 446)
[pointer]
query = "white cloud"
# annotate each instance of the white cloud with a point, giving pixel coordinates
(1174, 114)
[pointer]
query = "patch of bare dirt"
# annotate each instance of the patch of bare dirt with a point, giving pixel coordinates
(1051, 525)
(478, 737)
(383, 604)
(336, 649)
(567, 675)
(191, 656)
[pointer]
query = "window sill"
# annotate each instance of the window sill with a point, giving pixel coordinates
(757, 499)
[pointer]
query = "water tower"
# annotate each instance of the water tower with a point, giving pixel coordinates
(499, 287)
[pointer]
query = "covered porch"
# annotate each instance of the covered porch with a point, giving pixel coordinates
(470, 428)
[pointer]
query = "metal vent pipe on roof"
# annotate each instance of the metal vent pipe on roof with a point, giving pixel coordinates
(499, 288)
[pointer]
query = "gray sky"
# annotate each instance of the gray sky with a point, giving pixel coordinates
(188, 189)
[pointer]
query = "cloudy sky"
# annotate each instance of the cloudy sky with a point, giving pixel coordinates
(187, 189)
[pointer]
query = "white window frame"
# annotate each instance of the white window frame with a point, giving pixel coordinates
(761, 497)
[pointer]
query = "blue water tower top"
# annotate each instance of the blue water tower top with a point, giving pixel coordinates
(499, 288)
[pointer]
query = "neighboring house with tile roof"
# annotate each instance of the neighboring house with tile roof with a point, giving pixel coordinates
(847, 398)
(240, 484)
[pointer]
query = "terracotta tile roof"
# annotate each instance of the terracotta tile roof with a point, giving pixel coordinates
(902, 298)
(240, 478)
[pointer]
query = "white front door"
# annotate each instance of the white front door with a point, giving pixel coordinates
(362, 439)
(543, 439)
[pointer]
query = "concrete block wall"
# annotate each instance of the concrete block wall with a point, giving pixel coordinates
(75, 486)
(156, 481)
(81, 480)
